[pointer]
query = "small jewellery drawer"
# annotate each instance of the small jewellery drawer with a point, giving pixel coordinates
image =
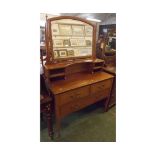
(101, 86)
(75, 94)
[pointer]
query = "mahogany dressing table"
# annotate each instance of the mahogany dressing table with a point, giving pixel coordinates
(75, 76)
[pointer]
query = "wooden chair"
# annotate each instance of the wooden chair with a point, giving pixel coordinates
(45, 104)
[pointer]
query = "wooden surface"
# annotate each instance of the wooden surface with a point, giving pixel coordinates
(66, 68)
(67, 63)
(78, 80)
(84, 83)
(75, 83)
(78, 91)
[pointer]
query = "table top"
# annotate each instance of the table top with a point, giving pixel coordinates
(78, 80)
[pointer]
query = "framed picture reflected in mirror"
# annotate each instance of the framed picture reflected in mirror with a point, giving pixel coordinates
(65, 29)
(58, 43)
(81, 42)
(55, 29)
(78, 30)
(63, 53)
(56, 53)
(73, 42)
(66, 42)
(88, 30)
(88, 42)
(70, 53)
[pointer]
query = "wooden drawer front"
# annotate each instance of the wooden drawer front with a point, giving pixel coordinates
(101, 95)
(68, 108)
(101, 86)
(73, 95)
(76, 105)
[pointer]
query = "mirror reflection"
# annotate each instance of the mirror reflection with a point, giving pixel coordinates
(71, 38)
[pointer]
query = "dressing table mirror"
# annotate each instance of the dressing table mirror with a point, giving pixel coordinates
(69, 38)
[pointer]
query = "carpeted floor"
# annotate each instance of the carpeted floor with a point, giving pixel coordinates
(88, 125)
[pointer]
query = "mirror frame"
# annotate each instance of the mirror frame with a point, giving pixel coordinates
(49, 41)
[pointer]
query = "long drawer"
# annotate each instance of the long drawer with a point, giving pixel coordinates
(79, 98)
(76, 105)
(101, 86)
(74, 95)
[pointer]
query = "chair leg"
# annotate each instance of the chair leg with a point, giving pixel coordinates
(49, 122)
